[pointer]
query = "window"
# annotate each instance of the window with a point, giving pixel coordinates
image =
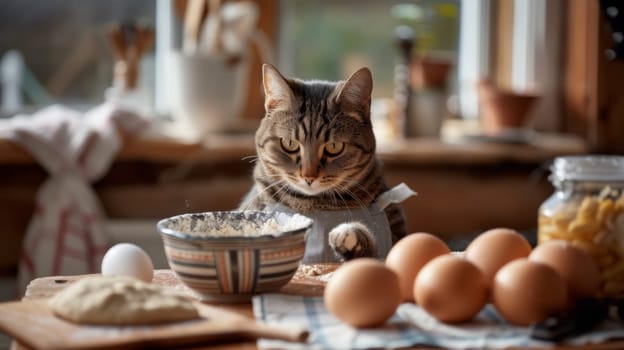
(59, 51)
(330, 40)
(62, 50)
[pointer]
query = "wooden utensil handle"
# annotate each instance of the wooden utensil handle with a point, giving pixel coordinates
(289, 333)
(193, 19)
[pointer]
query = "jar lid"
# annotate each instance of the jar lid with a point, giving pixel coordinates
(588, 168)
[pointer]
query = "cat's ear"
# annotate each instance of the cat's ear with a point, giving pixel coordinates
(277, 93)
(356, 91)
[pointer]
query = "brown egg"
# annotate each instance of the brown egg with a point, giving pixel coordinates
(496, 247)
(363, 293)
(577, 268)
(451, 289)
(526, 291)
(409, 255)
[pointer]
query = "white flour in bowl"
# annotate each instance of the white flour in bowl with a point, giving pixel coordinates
(237, 223)
(246, 229)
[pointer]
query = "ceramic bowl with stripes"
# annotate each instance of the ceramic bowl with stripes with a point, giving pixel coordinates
(228, 256)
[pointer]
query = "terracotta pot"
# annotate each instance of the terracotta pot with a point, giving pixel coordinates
(503, 109)
(430, 72)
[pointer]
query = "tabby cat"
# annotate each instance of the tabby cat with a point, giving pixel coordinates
(316, 154)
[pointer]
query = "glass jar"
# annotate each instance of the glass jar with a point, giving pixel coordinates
(587, 208)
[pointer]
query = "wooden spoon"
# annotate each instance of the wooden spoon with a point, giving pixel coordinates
(214, 34)
(193, 22)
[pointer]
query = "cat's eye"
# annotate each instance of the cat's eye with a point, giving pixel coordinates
(289, 145)
(334, 148)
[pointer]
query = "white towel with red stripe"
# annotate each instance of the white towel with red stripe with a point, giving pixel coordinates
(66, 234)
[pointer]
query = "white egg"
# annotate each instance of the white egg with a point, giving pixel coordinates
(127, 259)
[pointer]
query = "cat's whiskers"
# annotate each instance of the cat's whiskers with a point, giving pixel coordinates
(335, 191)
(281, 191)
(362, 188)
(265, 189)
(334, 195)
(346, 190)
(350, 187)
(279, 181)
(253, 158)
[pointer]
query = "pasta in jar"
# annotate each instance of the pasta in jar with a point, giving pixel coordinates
(587, 209)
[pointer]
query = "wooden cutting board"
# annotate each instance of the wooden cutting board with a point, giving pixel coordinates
(32, 324)
(309, 280)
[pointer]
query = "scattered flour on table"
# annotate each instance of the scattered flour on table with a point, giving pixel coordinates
(316, 272)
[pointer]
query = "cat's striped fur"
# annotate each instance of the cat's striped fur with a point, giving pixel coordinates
(316, 150)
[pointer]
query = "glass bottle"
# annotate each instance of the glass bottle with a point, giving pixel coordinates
(587, 208)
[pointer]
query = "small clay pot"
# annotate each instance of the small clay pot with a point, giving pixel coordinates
(430, 72)
(503, 109)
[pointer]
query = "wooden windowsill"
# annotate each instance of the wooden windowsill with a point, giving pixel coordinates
(416, 151)
(435, 151)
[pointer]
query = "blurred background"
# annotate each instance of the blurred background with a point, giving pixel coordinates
(472, 99)
(66, 55)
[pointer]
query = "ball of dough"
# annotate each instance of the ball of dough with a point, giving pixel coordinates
(119, 300)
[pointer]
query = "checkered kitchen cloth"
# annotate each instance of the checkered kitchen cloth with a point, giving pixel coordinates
(410, 326)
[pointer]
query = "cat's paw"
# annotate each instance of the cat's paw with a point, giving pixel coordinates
(352, 240)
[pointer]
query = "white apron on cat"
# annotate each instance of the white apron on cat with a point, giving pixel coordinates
(317, 246)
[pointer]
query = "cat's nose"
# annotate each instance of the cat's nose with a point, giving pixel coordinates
(309, 180)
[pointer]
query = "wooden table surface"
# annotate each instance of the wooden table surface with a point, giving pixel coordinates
(302, 284)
